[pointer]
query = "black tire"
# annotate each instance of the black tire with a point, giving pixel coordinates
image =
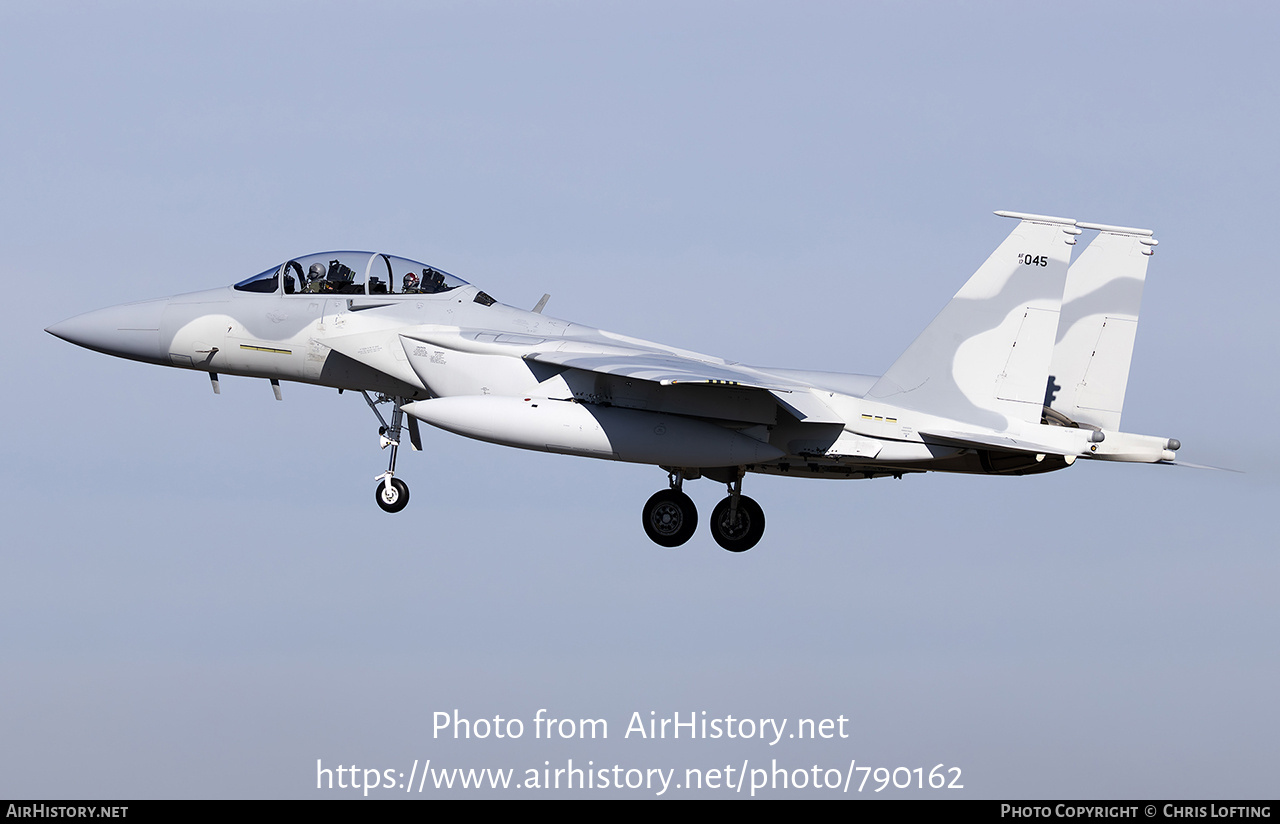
(745, 533)
(394, 499)
(670, 518)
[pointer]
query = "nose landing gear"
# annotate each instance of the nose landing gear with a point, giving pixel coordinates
(392, 493)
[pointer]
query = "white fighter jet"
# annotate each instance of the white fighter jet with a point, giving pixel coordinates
(1024, 371)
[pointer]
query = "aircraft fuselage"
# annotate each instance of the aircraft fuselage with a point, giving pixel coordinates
(967, 396)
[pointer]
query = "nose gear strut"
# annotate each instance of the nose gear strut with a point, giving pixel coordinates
(392, 493)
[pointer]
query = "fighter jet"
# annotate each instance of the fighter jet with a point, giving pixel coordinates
(1022, 372)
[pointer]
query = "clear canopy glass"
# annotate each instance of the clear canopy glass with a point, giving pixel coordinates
(352, 273)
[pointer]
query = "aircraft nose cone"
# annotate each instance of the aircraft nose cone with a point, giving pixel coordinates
(130, 330)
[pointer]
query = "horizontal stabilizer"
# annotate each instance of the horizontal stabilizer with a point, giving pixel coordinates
(1203, 466)
(1008, 444)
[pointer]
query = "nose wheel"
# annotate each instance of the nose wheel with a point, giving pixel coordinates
(393, 494)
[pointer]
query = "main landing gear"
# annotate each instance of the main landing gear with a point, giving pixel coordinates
(670, 518)
(737, 522)
(392, 493)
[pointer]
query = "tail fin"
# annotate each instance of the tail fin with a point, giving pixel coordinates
(1096, 330)
(985, 358)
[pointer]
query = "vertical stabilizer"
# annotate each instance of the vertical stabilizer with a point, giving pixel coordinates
(985, 358)
(1097, 327)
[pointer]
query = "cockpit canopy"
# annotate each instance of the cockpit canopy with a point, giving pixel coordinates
(352, 273)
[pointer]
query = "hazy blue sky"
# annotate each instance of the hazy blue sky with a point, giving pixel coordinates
(199, 597)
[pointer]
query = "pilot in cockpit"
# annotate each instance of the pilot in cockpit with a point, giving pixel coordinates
(315, 278)
(410, 283)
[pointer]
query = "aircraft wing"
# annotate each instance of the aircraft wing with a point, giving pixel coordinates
(633, 360)
(671, 370)
(607, 356)
(660, 368)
